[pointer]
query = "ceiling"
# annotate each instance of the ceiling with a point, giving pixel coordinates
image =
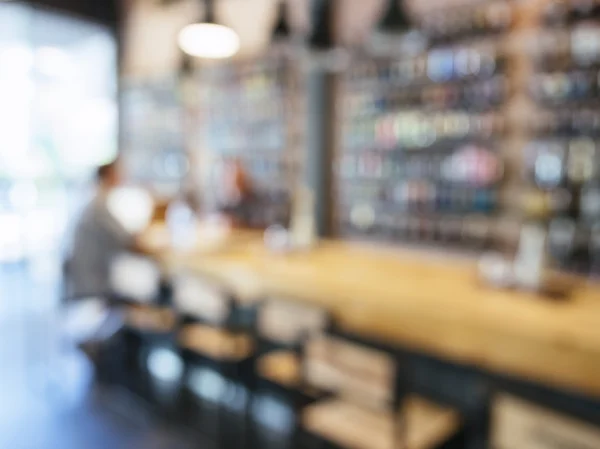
(151, 26)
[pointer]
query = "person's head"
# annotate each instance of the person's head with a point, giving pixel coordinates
(236, 182)
(109, 175)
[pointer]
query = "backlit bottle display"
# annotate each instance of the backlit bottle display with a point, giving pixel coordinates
(420, 158)
(562, 157)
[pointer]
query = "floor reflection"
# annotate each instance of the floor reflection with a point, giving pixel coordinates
(48, 398)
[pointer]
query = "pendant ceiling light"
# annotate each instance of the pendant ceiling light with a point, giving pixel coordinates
(395, 19)
(209, 39)
(282, 28)
(395, 35)
(322, 38)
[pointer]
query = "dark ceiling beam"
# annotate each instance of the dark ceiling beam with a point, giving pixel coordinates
(106, 12)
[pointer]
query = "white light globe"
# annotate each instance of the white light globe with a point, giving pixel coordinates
(132, 207)
(209, 40)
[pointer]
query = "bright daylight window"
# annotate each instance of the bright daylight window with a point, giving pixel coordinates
(58, 110)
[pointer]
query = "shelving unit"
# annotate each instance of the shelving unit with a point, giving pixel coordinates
(421, 158)
(153, 140)
(252, 112)
(563, 155)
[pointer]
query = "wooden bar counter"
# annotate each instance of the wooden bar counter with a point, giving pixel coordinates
(433, 305)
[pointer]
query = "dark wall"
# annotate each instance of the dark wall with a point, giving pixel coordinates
(102, 11)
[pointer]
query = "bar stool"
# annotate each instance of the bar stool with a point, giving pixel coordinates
(372, 407)
(150, 363)
(216, 344)
(282, 327)
(83, 319)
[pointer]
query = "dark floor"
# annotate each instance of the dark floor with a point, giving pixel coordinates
(46, 396)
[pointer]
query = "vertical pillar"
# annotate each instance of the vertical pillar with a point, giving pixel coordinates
(319, 146)
(321, 123)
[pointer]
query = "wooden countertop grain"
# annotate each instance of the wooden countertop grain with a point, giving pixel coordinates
(431, 304)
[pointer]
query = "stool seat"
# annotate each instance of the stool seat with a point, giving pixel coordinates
(149, 318)
(280, 367)
(218, 344)
(348, 425)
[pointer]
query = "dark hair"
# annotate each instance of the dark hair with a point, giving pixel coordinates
(104, 171)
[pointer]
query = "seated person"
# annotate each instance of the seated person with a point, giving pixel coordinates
(99, 238)
(244, 205)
